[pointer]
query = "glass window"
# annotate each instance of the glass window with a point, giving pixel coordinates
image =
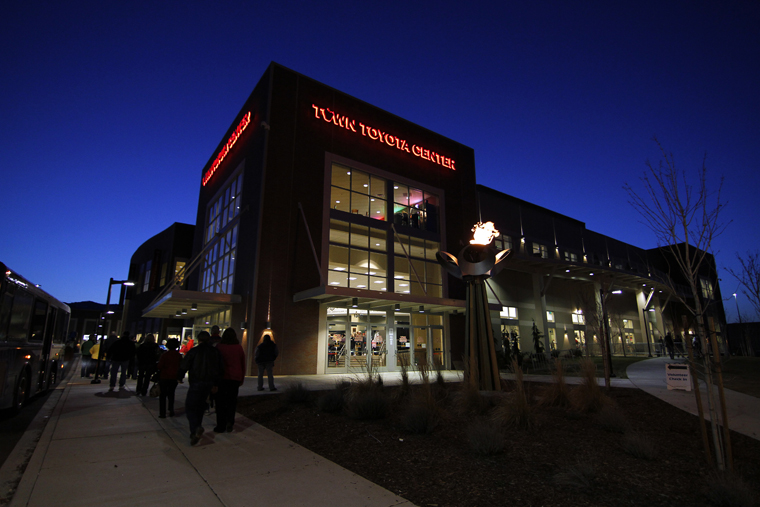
(219, 262)
(550, 316)
(508, 312)
(18, 330)
(578, 318)
(358, 192)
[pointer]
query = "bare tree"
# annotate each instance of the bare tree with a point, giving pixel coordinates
(749, 277)
(685, 217)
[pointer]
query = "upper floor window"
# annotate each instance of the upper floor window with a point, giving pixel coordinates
(540, 251)
(707, 288)
(570, 256)
(502, 242)
(225, 208)
(627, 324)
(357, 192)
(508, 312)
(415, 208)
(579, 319)
(550, 316)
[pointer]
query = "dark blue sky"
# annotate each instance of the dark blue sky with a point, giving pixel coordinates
(109, 110)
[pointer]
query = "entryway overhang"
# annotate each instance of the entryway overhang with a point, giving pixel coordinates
(343, 297)
(190, 304)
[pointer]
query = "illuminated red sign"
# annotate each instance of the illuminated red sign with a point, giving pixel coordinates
(378, 135)
(227, 147)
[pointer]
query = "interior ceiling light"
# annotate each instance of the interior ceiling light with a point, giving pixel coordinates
(397, 307)
(194, 307)
(422, 309)
(184, 311)
(354, 302)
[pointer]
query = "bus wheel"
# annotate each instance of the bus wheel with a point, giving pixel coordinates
(19, 398)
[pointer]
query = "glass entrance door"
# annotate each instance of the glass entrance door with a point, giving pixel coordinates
(356, 340)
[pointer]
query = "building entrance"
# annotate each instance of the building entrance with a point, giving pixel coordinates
(356, 340)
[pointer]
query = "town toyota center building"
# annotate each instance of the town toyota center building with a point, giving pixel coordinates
(319, 217)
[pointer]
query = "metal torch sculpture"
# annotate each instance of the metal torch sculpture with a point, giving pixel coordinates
(477, 262)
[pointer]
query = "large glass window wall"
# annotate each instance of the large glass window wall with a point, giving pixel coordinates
(221, 234)
(365, 256)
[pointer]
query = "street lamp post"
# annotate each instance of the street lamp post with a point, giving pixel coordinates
(107, 311)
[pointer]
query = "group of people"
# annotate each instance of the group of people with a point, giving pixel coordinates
(215, 369)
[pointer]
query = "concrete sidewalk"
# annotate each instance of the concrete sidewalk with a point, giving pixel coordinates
(110, 449)
(743, 410)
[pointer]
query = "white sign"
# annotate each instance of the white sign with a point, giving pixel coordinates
(677, 376)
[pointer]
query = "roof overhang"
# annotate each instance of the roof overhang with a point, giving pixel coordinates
(179, 300)
(343, 297)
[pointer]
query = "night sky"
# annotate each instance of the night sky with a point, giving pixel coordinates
(109, 110)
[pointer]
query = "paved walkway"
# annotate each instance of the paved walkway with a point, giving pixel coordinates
(110, 449)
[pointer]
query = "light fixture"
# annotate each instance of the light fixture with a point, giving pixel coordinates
(617, 291)
(129, 284)
(397, 307)
(194, 307)
(422, 309)
(184, 311)
(269, 325)
(354, 302)
(178, 314)
(110, 312)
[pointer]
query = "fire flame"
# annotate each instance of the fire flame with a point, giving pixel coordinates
(483, 233)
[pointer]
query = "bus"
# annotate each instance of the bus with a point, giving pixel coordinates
(33, 327)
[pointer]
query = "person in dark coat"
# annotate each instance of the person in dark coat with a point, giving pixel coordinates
(168, 370)
(119, 355)
(233, 357)
(106, 344)
(669, 344)
(205, 369)
(147, 359)
(87, 357)
(264, 356)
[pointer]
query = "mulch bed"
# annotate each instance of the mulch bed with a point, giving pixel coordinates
(568, 460)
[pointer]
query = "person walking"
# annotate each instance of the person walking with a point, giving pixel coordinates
(205, 368)
(678, 345)
(168, 370)
(87, 356)
(119, 355)
(106, 344)
(233, 357)
(264, 356)
(669, 344)
(147, 359)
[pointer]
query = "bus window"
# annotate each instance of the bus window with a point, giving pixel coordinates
(38, 320)
(61, 326)
(6, 302)
(18, 330)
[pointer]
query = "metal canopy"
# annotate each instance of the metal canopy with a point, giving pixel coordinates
(343, 297)
(179, 300)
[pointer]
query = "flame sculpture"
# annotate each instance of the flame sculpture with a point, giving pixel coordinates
(483, 233)
(477, 262)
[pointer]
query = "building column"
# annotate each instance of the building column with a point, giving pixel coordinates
(539, 300)
(641, 303)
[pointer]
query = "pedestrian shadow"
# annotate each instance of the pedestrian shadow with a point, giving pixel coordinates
(115, 394)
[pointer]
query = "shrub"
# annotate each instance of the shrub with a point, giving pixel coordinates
(557, 394)
(403, 361)
(638, 446)
(588, 397)
(579, 476)
(515, 410)
(333, 401)
(296, 393)
(365, 399)
(421, 416)
(485, 437)
(612, 420)
(467, 400)
(729, 490)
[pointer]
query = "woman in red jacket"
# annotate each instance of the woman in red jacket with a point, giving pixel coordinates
(168, 368)
(234, 375)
